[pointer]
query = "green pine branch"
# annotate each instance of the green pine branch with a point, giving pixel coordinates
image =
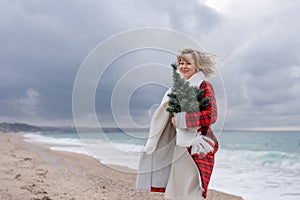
(184, 97)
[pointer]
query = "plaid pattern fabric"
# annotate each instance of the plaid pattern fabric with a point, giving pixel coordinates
(204, 118)
(205, 165)
(156, 189)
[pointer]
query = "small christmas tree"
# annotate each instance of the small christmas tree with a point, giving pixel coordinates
(184, 97)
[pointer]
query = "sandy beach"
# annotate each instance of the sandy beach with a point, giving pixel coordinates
(30, 171)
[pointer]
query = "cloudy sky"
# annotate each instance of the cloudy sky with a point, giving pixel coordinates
(44, 42)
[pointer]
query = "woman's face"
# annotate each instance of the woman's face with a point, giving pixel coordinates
(186, 69)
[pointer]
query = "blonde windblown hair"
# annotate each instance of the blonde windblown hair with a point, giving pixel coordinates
(203, 62)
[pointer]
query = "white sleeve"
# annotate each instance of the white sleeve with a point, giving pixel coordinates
(180, 120)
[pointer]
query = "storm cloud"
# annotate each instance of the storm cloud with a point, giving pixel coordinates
(43, 44)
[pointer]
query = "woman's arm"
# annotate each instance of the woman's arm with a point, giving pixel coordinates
(201, 118)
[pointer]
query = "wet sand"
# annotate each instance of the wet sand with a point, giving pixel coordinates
(31, 171)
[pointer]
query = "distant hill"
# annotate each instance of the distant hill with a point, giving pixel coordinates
(21, 127)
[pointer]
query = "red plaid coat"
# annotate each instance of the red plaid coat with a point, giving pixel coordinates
(205, 118)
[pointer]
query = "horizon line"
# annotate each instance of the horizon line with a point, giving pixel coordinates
(225, 129)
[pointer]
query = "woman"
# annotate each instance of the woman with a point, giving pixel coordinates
(179, 163)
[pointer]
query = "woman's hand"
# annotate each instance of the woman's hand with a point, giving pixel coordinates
(173, 120)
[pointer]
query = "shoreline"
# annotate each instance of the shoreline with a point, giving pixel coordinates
(32, 171)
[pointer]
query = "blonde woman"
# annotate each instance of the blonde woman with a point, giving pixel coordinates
(181, 165)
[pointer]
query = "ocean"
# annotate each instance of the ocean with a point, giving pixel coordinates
(256, 165)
